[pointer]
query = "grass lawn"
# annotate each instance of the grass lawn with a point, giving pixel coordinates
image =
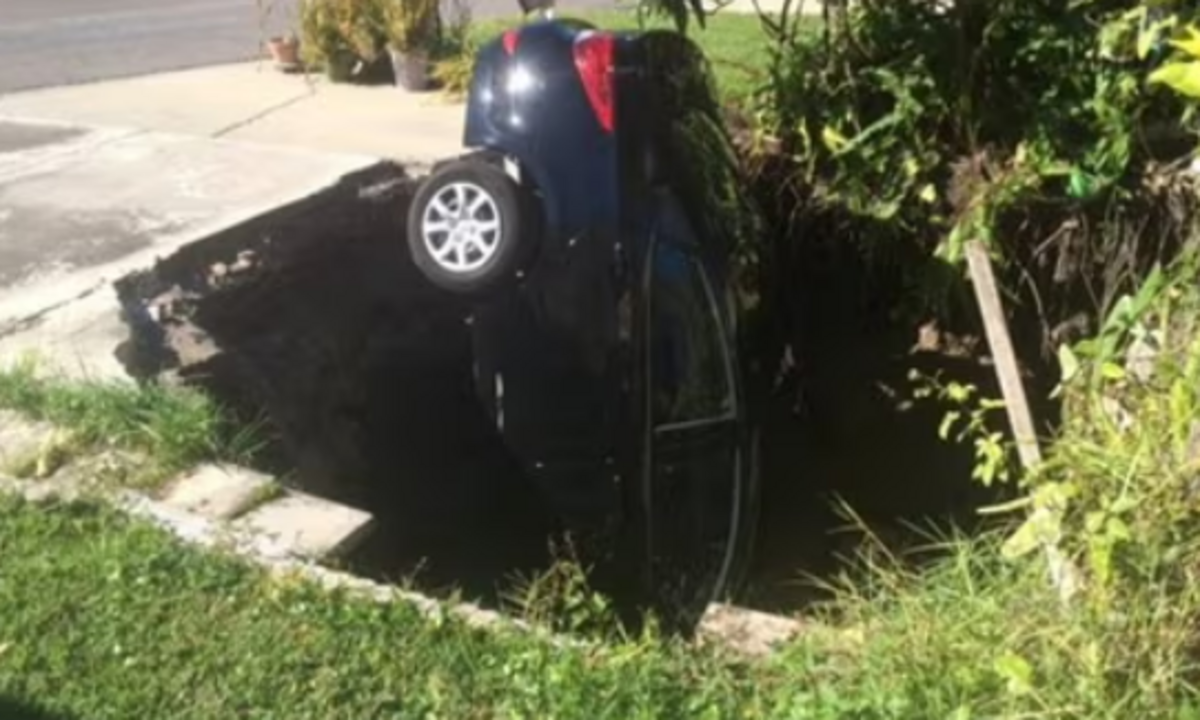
(106, 618)
(174, 429)
(103, 617)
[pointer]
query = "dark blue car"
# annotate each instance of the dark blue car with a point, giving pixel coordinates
(594, 230)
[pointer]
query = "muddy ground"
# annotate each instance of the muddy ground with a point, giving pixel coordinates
(313, 322)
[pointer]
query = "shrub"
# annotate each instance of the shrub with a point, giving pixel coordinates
(334, 30)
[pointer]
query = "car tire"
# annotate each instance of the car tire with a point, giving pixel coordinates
(468, 227)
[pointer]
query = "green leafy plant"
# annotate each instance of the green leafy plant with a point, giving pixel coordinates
(1121, 486)
(338, 33)
(562, 599)
(941, 120)
(453, 73)
(1182, 74)
(455, 54)
(411, 25)
(969, 419)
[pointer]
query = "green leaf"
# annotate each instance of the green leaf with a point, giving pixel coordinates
(833, 139)
(1100, 560)
(1122, 505)
(1145, 41)
(1117, 530)
(1080, 184)
(1068, 362)
(1149, 35)
(948, 423)
(962, 712)
(1189, 44)
(928, 193)
(1022, 542)
(958, 392)
(1183, 77)
(1151, 288)
(1112, 371)
(1016, 671)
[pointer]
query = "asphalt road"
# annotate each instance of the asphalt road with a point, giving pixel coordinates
(60, 42)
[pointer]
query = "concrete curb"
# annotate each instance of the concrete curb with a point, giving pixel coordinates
(219, 526)
(252, 545)
(209, 506)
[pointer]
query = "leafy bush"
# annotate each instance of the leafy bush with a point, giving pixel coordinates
(1127, 468)
(455, 54)
(333, 30)
(409, 25)
(939, 116)
(339, 31)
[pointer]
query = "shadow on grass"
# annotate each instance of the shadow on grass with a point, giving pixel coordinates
(11, 709)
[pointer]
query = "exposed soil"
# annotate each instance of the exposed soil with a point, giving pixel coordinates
(313, 322)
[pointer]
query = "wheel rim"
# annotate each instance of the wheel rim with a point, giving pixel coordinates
(461, 227)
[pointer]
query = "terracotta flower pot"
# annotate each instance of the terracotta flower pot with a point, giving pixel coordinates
(285, 51)
(410, 69)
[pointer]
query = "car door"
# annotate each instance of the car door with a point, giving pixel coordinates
(693, 470)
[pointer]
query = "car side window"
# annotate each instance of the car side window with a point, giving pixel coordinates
(689, 373)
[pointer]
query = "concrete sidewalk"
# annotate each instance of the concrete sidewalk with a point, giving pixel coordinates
(82, 207)
(254, 103)
(99, 180)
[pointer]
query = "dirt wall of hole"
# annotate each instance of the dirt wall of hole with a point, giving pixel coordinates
(313, 322)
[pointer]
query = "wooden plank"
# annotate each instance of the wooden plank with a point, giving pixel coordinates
(1008, 372)
(1063, 573)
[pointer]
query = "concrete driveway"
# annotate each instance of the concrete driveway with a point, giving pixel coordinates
(80, 208)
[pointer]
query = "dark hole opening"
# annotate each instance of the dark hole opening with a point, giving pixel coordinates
(363, 375)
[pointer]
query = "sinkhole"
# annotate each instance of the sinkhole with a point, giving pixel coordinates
(312, 322)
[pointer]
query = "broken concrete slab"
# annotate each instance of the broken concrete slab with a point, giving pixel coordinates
(308, 526)
(267, 552)
(219, 492)
(747, 632)
(82, 207)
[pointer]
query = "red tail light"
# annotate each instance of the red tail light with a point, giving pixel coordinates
(594, 62)
(510, 39)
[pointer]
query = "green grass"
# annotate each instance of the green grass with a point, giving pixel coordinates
(175, 429)
(104, 618)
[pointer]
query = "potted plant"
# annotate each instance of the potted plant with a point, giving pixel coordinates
(362, 27)
(323, 44)
(412, 28)
(343, 36)
(285, 51)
